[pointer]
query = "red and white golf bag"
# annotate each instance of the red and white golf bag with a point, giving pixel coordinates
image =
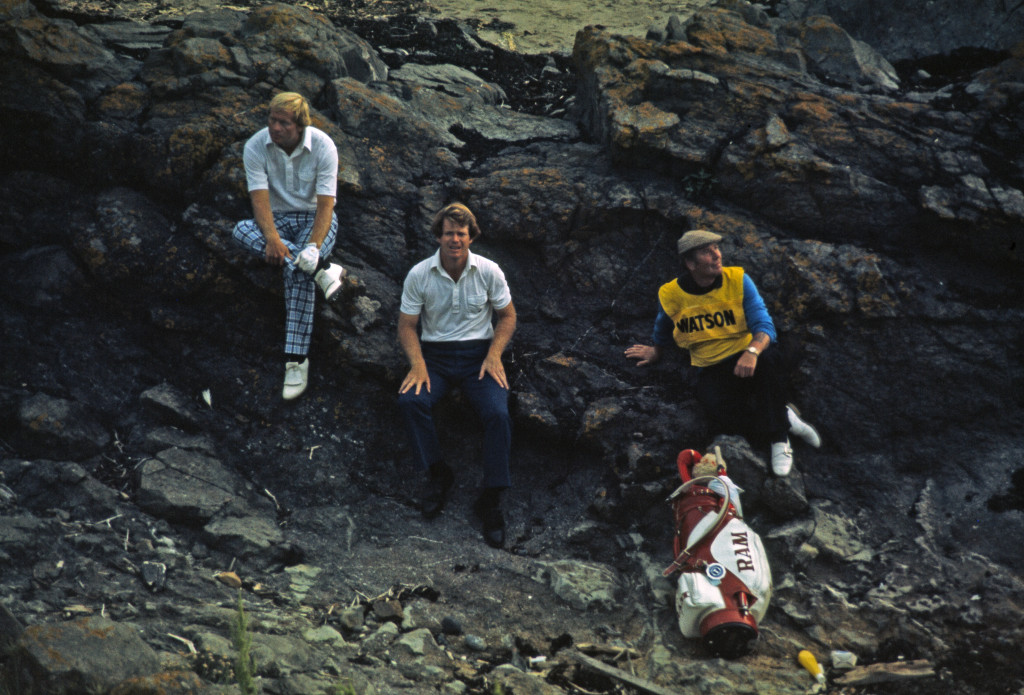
(725, 582)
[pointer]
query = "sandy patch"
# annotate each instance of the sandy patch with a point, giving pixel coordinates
(544, 26)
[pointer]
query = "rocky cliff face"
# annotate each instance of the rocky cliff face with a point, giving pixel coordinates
(918, 29)
(151, 475)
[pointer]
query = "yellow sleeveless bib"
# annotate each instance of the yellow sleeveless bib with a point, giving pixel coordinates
(711, 326)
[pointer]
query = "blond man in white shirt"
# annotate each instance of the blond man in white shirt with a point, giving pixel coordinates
(291, 169)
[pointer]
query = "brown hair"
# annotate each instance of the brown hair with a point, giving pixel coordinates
(295, 104)
(460, 215)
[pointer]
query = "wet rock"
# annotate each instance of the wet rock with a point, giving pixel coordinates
(16, 536)
(252, 537)
(388, 610)
(418, 643)
(585, 586)
(836, 536)
(325, 634)
(10, 628)
(154, 575)
(657, 120)
(181, 485)
(43, 278)
(432, 91)
(515, 680)
(88, 653)
(60, 46)
(168, 402)
(832, 54)
(58, 427)
(475, 643)
(156, 439)
(352, 618)
(133, 38)
(45, 485)
(279, 655)
(167, 683)
(917, 29)
(380, 639)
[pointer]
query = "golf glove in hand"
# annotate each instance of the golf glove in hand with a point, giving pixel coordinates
(308, 259)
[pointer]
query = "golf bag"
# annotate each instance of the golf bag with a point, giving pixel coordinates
(725, 583)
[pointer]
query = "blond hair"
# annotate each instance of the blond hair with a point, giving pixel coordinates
(295, 104)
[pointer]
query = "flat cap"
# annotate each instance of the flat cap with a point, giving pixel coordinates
(696, 238)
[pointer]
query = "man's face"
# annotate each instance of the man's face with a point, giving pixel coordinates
(706, 262)
(454, 241)
(284, 131)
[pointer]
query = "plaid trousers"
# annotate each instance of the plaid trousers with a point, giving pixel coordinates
(299, 288)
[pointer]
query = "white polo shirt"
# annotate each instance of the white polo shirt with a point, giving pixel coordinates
(450, 310)
(295, 180)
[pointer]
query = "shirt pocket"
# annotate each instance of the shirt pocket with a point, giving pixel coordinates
(306, 175)
(476, 303)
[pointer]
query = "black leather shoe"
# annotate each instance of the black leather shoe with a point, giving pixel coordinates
(493, 521)
(435, 491)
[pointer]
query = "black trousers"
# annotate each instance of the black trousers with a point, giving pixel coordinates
(754, 407)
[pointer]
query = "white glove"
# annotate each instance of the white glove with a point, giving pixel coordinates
(308, 259)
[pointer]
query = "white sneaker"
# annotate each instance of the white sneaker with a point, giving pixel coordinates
(296, 375)
(329, 279)
(801, 428)
(782, 458)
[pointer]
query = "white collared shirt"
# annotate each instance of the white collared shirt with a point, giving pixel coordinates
(450, 310)
(295, 180)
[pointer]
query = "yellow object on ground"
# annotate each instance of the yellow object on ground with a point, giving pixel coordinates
(809, 662)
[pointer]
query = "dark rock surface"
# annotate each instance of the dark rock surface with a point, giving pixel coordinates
(151, 472)
(915, 29)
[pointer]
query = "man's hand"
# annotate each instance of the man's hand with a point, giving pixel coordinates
(277, 251)
(745, 365)
(417, 377)
(492, 365)
(308, 259)
(646, 354)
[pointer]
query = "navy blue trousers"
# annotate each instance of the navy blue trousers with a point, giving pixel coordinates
(458, 364)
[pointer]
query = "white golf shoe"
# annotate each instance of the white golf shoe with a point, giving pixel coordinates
(801, 429)
(329, 280)
(296, 375)
(782, 458)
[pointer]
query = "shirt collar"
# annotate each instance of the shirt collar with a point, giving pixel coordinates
(306, 144)
(436, 261)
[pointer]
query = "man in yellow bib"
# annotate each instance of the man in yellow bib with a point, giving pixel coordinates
(718, 315)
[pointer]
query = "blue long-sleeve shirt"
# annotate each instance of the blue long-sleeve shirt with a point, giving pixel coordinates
(758, 318)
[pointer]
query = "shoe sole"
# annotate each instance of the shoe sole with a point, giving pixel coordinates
(293, 397)
(813, 429)
(334, 291)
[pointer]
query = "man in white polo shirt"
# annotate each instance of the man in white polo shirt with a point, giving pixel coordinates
(452, 297)
(292, 173)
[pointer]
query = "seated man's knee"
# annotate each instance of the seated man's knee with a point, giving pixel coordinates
(493, 409)
(410, 401)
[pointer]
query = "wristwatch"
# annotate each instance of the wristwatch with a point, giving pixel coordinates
(754, 351)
